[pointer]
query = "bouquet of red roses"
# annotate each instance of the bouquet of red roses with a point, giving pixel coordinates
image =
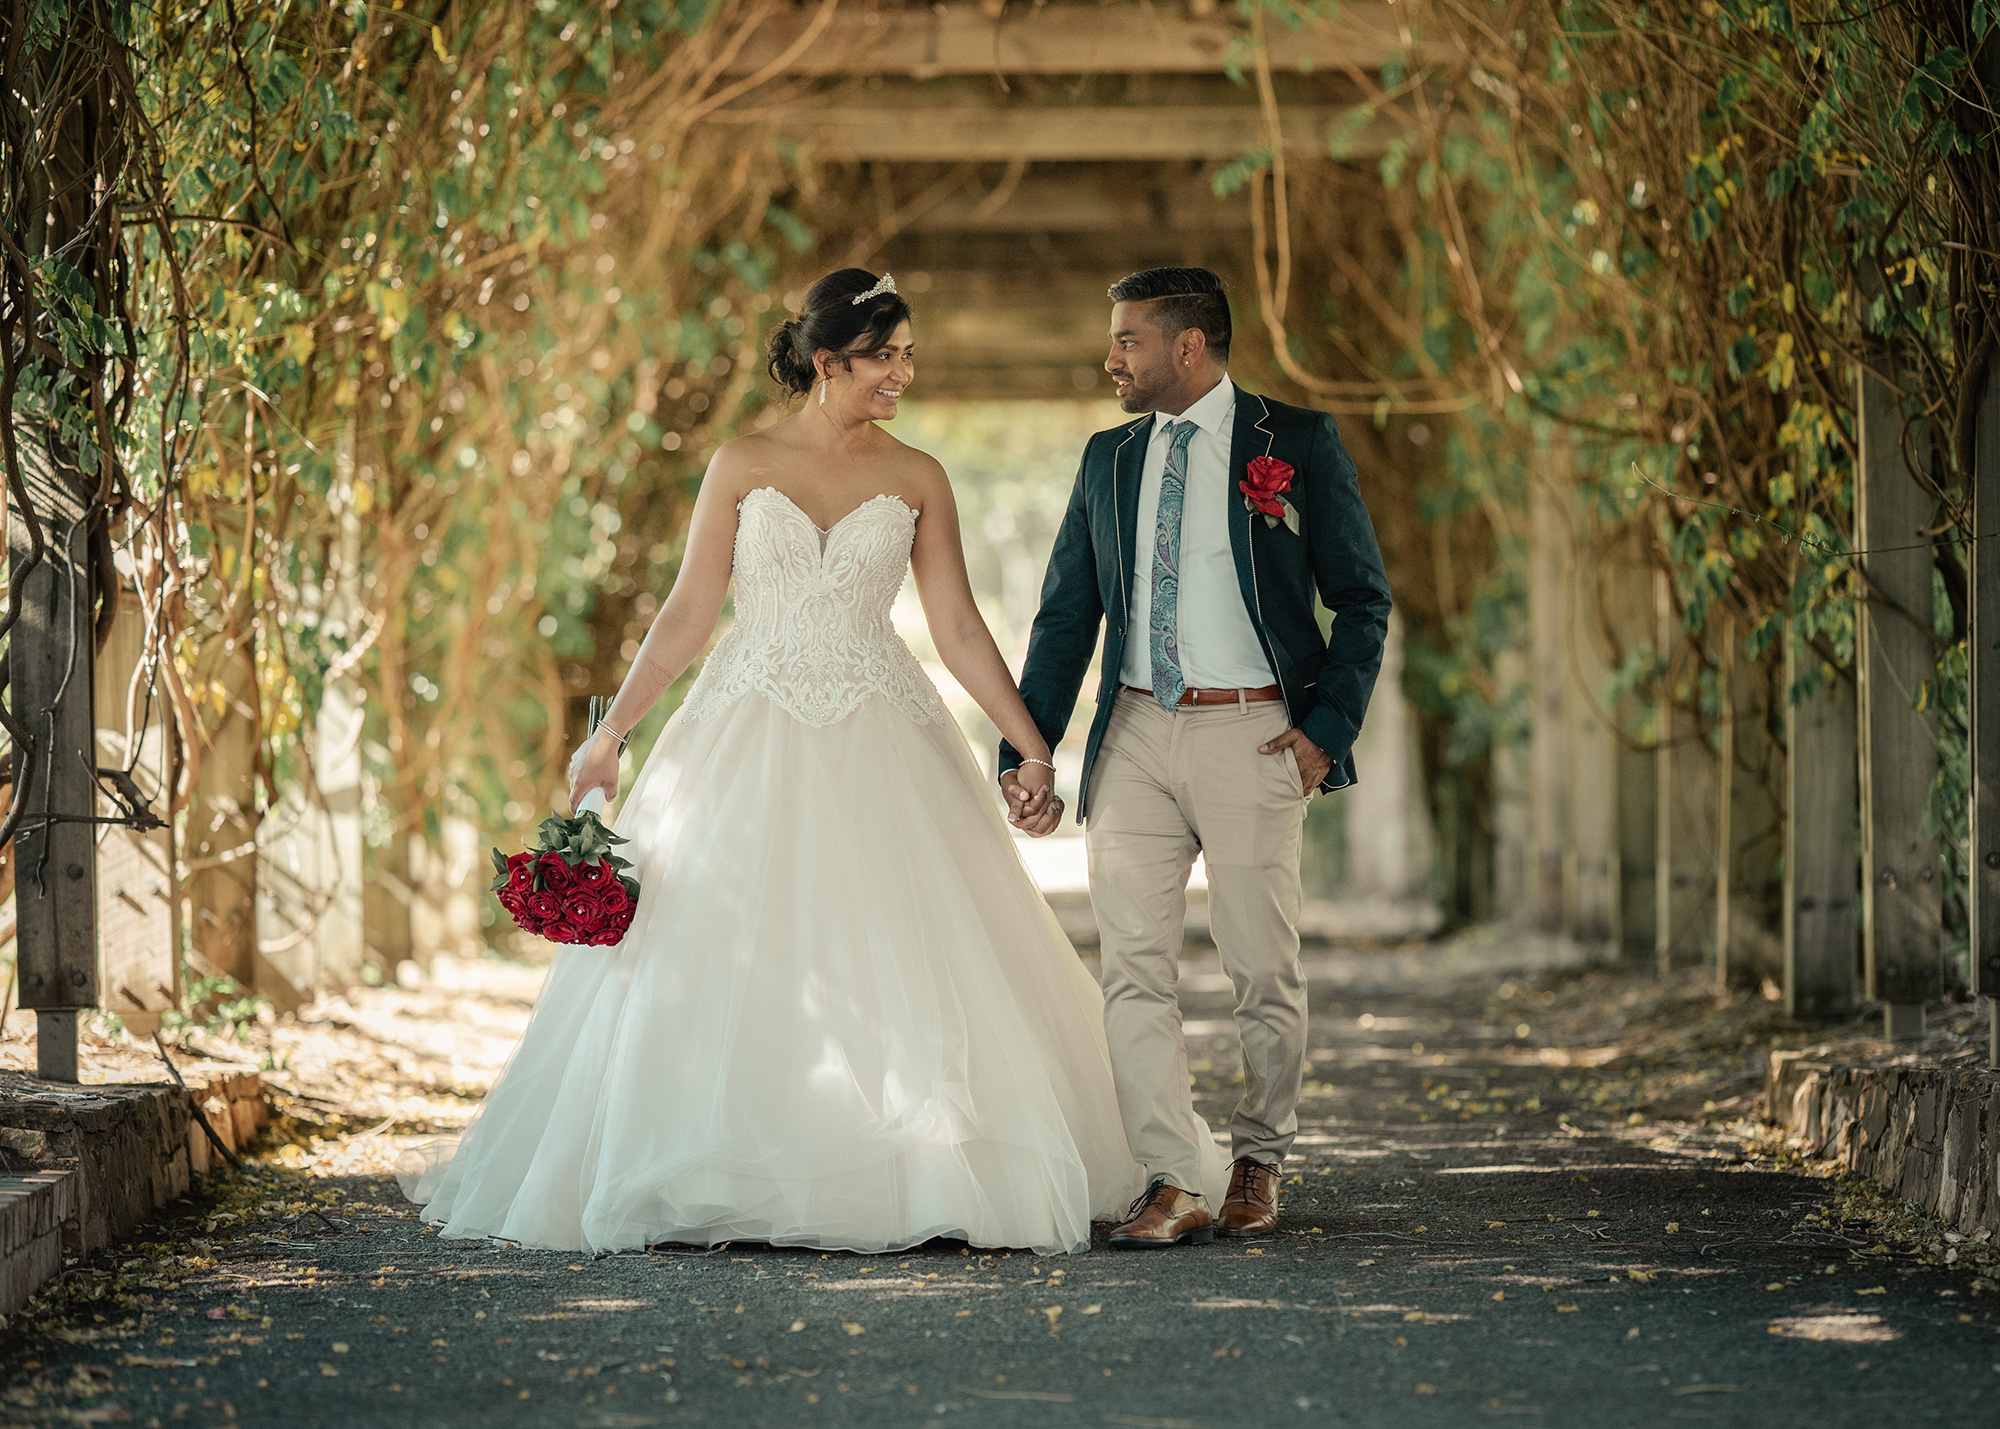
(569, 886)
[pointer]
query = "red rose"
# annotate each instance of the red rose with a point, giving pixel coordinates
(593, 875)
(581, 909)
(521, 872)
(556, 872)
(614, 898)
(543, 905)
(1267, 480)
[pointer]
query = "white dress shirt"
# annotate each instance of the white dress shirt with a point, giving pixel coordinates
(1218, 644)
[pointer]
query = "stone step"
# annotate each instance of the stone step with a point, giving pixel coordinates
(33, 1211)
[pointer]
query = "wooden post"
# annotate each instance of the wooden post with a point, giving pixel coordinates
(1663, 786)
(1548, 622)
(1725, 789)
(1901, 919)
(309, 881)
(1984, 679)
(1593, 859)
(1511, 825)
(138, 907)
(1822, 871)
(222, 817)
(55, 858)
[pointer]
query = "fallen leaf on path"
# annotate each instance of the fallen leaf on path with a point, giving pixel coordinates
(1874, 1290)
(798, 1325)
(1087, 1310)
(852, 1328)
(1567, 1309)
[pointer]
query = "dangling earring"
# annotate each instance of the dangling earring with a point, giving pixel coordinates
(823, 384)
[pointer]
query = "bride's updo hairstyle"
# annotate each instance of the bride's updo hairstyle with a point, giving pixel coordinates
(832, 320)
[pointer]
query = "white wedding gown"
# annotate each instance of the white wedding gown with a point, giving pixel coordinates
(843, 1016)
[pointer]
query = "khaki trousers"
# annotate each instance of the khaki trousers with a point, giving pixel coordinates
(1166, 787)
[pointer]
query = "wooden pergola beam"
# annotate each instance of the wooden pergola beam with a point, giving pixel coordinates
(1079, 200)
(925, 41)
(909, 134)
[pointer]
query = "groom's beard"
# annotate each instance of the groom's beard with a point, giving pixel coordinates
(1144, 395)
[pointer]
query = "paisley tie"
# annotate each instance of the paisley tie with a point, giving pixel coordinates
(1164, 627)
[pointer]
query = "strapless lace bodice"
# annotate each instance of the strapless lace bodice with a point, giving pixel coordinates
(813, 632)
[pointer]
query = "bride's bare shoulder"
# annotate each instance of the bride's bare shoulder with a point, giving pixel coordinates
(743, 463)
(912, 470)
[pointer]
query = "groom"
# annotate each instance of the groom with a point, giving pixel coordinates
(1197, 537)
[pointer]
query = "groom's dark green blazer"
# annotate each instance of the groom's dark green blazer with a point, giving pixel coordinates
(1326, 679)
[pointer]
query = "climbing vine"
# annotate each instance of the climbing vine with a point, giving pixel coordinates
(1671, 237)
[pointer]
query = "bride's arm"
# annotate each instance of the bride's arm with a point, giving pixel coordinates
(965, 644)
(678, 632)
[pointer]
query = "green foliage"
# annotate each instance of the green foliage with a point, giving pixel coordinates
(427, 370)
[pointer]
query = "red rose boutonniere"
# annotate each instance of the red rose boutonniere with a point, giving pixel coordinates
(1266, 481)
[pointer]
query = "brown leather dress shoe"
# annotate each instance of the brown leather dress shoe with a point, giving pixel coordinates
(1165, 1215)
(1251, 1207)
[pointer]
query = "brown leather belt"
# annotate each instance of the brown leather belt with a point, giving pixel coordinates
(1258, 696)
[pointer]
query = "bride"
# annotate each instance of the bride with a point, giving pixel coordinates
(843, 1016)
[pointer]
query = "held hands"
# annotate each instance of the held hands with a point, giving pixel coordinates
(1314, 762)
(1033, 806)
(594, 766)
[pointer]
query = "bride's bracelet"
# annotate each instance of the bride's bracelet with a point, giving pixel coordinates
(1043, 762)
(621, 738)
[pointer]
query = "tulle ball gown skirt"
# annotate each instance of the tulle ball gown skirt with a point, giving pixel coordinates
(843, 1017)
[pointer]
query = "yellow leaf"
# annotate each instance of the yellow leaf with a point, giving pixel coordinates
(1567, 1309)
(1087, 1310)
(1426, 1389)
(798, 1325)
(1874, 1290)
(1499, 1295)
(437, 43)
(852, 1328)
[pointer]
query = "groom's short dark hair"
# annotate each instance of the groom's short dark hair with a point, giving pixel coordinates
(1187, 297)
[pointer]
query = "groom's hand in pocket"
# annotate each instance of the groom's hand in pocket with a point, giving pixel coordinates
(1314, 762)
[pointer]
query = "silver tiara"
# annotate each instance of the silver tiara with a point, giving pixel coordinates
(887, 285)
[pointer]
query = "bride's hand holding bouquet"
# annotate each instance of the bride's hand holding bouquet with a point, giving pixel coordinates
(569, 886)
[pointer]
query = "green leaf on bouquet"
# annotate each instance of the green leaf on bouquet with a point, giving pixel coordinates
(1291, 516)
(500, 861)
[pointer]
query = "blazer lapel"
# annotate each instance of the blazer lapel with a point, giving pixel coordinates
(1251, 437)
(1128, 461)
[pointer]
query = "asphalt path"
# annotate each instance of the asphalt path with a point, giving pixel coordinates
(1462, 1239)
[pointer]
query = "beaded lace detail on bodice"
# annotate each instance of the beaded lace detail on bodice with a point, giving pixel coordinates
(813, 632)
